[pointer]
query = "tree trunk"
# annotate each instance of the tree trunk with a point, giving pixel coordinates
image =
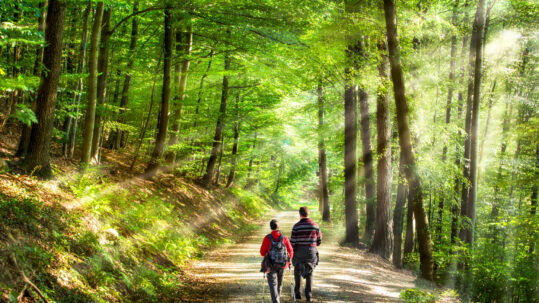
(235, 146)
(350, 146)
(180, 83)
(37, 158)
(218, 173)
(121, 136)
(485, 132)
(405, 141)
(102, 68)
(27, 129)
(92, 86)
(460, 99)
(250, 167)
(398, 216)
(206, 179)
(368, 165)
(472, 194)
(162, 122)
(452, 60)
(382, 242)
(322, 159)
(147, 122)
(476, 36)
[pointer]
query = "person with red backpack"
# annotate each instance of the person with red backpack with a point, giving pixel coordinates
(277, 252)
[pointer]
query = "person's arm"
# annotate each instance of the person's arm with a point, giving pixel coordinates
(265, 246)
(293, 237)
(288, 247)
(319, 237)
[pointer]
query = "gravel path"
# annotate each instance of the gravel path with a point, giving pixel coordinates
(231, 273)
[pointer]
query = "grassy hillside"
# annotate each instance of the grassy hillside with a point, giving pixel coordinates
(111, 237)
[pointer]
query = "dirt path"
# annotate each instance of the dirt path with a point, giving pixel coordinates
(232, 274)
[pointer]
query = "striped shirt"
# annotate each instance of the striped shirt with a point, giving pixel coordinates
(306, 233)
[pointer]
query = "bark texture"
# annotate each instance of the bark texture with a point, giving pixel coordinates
(37, 158)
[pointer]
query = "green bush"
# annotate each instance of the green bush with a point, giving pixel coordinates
(416, 295)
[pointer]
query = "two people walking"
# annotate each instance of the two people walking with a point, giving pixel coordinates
(301, 249)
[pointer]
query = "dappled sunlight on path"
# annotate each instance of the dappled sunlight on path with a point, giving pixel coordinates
(231, 274)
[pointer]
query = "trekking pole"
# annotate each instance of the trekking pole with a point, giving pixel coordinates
(291, 284)
(263, 285)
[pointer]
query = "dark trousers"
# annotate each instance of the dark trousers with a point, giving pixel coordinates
(308, 283)
(304, 256)
(275, 282)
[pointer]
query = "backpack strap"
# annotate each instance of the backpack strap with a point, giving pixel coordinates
(281, 238)
(271, 239)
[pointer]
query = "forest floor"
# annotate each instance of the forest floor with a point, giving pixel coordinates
(231, 273)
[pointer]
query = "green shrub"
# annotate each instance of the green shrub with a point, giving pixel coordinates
(416, 295)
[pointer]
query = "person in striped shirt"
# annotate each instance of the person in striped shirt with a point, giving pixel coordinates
(305, 238)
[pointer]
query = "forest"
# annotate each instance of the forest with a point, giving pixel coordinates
(138, 136)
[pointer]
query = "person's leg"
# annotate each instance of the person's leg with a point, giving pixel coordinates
(308, 285)
(297, 278)
(280, 275)
(272, 283)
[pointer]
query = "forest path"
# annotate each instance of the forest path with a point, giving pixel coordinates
(231, 273)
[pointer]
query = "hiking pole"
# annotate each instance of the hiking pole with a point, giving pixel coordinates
(263, 285)
(291, 284)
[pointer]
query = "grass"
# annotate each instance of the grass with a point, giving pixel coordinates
(92, 239)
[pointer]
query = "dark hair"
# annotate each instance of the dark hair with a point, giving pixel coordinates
(304, 211)
(274, 224)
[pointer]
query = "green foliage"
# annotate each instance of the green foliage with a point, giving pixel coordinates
(25, 114)
(416, 295)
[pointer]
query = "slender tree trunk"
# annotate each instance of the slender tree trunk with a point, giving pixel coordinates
(180, 85)
(200, 89)
(476, 36)
(37, 158)
(102, 68)
(382, 243)
(350, 147)
(368, 165)
(147, 121)
(206, 179)
(485, 132)
(452, 64)
(460, 100)
(92, 86)
(121, 136)
(162, 122)
(249, 182)
(322, 161)
(235, 146)
(398, 216)
(405, 141)
(472, 195)
(218, 173)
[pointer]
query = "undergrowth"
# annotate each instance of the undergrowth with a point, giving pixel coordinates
(115, 242)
